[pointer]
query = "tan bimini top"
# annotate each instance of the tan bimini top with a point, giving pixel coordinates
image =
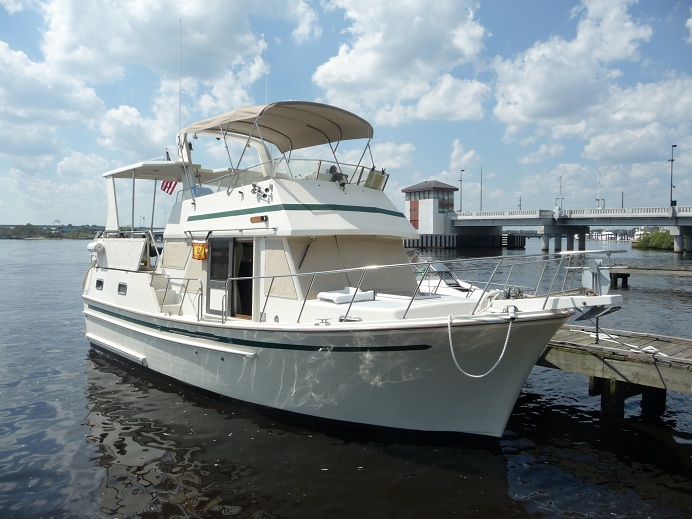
(288, 125)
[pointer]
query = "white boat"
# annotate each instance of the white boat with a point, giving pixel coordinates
(638, 235)
(286, 284)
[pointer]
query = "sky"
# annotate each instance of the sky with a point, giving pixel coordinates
(539, 102)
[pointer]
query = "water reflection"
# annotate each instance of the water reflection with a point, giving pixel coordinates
(556, 440)
(173, 452)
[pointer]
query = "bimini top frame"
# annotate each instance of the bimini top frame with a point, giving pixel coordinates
(288, 125)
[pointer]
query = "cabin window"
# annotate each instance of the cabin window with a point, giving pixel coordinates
(276, 264)
(219, 260)
(99, 284)
(122, 289)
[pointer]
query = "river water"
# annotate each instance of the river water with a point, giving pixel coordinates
(82, 435)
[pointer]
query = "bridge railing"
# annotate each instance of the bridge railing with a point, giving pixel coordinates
(576, 214)
(622, 212)
(533, 213)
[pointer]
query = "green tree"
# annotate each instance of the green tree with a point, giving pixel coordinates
(656, 240)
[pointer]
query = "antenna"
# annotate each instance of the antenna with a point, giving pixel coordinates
(266, 72)
(180, 74)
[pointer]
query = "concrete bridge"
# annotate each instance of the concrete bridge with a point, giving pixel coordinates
(570, 222)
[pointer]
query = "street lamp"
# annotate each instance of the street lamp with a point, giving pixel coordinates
(481, 189)
(672, 202)
(461, 204)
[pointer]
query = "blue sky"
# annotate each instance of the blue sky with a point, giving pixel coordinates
(542, 95)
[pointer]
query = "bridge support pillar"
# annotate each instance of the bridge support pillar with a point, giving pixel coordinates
(677, 233)
(582, 241)
(558, 242)
(546, 243)
(678, 244)
(558, 231)
(570, 242)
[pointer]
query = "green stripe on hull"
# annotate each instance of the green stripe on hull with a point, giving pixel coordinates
(258, 344)
(296, 207)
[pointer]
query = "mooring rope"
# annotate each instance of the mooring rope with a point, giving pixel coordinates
(512, 316)
(649, 350)
(87, 275)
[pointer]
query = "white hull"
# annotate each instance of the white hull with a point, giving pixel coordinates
(284, 283)
(402, 378)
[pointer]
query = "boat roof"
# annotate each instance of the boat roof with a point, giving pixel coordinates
(288, 125)
(150, 170)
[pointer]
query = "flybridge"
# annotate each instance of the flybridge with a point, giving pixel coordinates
(282, 128)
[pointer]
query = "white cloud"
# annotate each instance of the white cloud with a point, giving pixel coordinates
(688, 24)
(559, 80)
(645, 103)
(453, 99)
(13, 6)
(307, 19)
(83, 165)
(544, 151)
(21, 191)
(400, 53)
(460, 158)
(607, 31)
(638, 145)
(31, 91)
(390, 155)
(98, 42)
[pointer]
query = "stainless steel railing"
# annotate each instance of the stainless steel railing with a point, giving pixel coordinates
(541, 275)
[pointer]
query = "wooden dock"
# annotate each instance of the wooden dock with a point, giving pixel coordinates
(679, 271)
(621, 364)
(623, 273)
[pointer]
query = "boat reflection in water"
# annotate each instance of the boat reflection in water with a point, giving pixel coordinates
(169, 451)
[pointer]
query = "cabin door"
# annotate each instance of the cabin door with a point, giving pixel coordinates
(228, 259)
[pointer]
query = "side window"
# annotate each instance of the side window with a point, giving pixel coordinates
(122, 289)
(219, 260)
(99, 284)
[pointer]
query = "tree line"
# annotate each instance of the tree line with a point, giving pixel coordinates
(29, 231)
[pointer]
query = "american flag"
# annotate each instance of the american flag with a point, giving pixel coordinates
(169, 186)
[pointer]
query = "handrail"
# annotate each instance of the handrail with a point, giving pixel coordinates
(487, 285)
(493, 267)
(557, 271)
(353, 172)
(183, 292)
(500, 262)
(427, 269)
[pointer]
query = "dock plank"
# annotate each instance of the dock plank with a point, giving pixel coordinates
(618, 356)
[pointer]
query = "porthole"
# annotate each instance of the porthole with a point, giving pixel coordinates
(99, 284)
(122, 289)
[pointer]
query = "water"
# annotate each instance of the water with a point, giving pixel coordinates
(82, 435)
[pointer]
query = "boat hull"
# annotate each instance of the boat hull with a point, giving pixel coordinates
(407, 377)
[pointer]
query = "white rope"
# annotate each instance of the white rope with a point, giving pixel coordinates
(651, 350)
(497, 362)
